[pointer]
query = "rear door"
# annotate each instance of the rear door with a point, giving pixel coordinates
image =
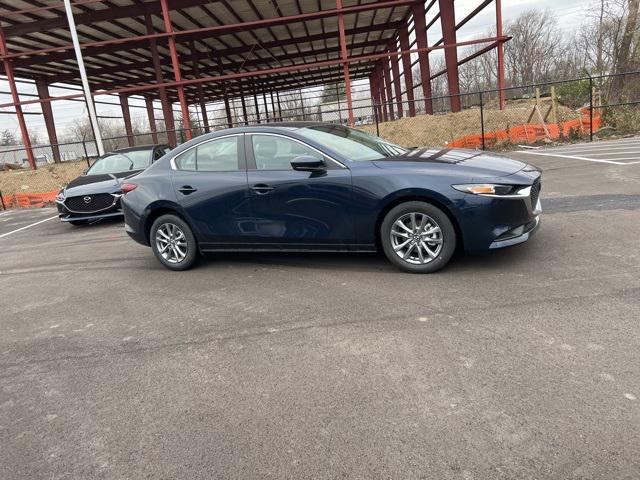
(210, 180)
(290, 208)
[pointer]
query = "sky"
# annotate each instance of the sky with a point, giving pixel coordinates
(569, 12)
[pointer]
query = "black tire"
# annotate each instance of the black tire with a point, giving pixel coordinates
(440, 248)
(77, 223)
(174, 262)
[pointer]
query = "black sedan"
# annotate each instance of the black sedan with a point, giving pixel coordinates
(321, 187)
(96, 194)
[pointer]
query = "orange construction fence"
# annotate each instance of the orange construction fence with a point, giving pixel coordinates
(532, 133)
(29, 199)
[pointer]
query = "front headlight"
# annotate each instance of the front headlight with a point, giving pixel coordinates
(487, 189)
(60, 197)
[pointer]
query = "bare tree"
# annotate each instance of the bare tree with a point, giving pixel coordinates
(535, 47)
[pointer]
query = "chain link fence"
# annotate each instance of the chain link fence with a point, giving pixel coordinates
(564, 111)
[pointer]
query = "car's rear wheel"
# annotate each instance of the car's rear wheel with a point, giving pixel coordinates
(173, 242)
(418, 237)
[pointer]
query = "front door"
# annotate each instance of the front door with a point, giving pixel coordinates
(210, 181)
(293, 209)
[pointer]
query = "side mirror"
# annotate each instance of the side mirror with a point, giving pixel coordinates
(307, 163)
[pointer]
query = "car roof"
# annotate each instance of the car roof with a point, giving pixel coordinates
(138, 147)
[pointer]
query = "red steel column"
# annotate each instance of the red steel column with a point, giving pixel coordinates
(386, 70)
(47, 112)
(167, 109)
(500, 54)
(184, 108)
(227, 108)
(151, 115)
(448, 21)
(126, 116)
(406, 68)
(375, 101)
(345, 63)
(383, 95)
(395, 69)
(8, 71)
(196, 71)
(420, 24)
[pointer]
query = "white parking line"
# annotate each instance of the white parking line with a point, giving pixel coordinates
(602, 148)
(576, 157)
(636, 152)
(28, 226)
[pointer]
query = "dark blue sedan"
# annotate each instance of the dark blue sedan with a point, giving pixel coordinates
(323, 187)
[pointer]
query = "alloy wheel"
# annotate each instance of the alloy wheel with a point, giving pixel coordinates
(416, 238)
(171, 243)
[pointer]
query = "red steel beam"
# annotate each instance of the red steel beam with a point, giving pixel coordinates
(126, 117)
(345, 60)
(386, 71)
(420, 26)
(500, 47)
(448, 21)
(271, 71)
(395, 69)
(215, 30)
(167, 109)
(196, 72)
(226, 52)
(186, 123)
(383, 94)
(406, 68)
(49, 122)
(8, 71)
(102, 15)
(152, 118)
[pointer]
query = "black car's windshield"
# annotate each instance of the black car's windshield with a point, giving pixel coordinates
(121, 162)
(353, 144)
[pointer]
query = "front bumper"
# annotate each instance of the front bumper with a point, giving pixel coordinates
(67, 215)
(527, 231)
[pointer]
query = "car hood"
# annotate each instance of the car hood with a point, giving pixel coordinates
(103, 183)
(476, 163)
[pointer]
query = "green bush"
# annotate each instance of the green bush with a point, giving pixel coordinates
(624, 119)
(573, 94)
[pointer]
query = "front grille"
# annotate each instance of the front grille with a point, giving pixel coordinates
(89, 203)
(535, 192)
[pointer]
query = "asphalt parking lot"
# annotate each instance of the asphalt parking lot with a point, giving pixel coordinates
(517, 364)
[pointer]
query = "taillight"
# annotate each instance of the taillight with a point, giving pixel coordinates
(128, 187)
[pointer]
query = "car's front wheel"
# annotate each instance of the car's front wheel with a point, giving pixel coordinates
(418, 237)
(173, 242)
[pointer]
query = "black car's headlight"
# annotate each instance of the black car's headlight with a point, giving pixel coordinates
(60, 197)
(491, 189)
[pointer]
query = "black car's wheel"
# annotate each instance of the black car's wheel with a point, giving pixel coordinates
(418, 237)
(173, 242)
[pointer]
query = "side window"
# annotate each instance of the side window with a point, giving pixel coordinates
(276, 153)
(214, 156)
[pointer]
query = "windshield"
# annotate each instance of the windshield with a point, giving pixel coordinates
(353, 144)
(121, 162)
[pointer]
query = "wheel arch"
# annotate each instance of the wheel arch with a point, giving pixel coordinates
(157, 211)
(421, 196)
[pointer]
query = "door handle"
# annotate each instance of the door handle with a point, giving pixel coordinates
(262, 188)
(187, 189)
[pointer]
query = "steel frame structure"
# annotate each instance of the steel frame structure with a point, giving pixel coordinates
(193, 52)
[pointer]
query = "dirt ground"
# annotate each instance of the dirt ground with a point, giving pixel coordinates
(437, 130)
(45, 179)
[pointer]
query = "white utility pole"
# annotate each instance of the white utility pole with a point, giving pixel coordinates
(83, 75)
